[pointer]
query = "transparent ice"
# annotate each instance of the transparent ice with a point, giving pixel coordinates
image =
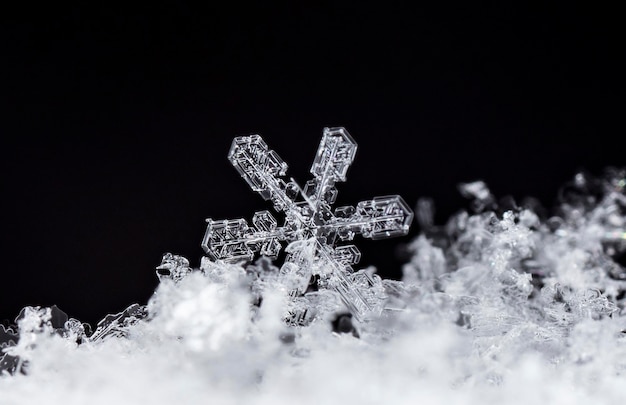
(311, 227)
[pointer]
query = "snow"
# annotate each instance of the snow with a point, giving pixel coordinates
(494, 307)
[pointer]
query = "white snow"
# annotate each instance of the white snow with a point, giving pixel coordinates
(466, 326)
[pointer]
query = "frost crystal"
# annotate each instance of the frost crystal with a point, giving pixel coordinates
(311, 228)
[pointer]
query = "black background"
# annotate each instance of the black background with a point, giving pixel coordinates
(116, 122)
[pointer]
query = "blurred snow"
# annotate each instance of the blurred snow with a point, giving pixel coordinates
(495, 306)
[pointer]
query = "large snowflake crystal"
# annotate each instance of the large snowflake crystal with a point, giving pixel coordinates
(311, 228)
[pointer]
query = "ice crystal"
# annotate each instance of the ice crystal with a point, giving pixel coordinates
(173, 267)
(311, 227)
(118, 324)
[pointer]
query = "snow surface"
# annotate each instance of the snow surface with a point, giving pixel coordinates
(494, 307)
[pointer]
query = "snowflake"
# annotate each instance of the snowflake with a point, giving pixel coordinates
(310, 228)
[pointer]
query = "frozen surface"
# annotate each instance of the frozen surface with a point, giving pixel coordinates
(504, 303)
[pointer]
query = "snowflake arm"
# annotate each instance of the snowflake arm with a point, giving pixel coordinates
(334, 156)
(234, 240)
(260, 168)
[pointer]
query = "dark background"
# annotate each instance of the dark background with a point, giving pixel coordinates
(116, 122)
